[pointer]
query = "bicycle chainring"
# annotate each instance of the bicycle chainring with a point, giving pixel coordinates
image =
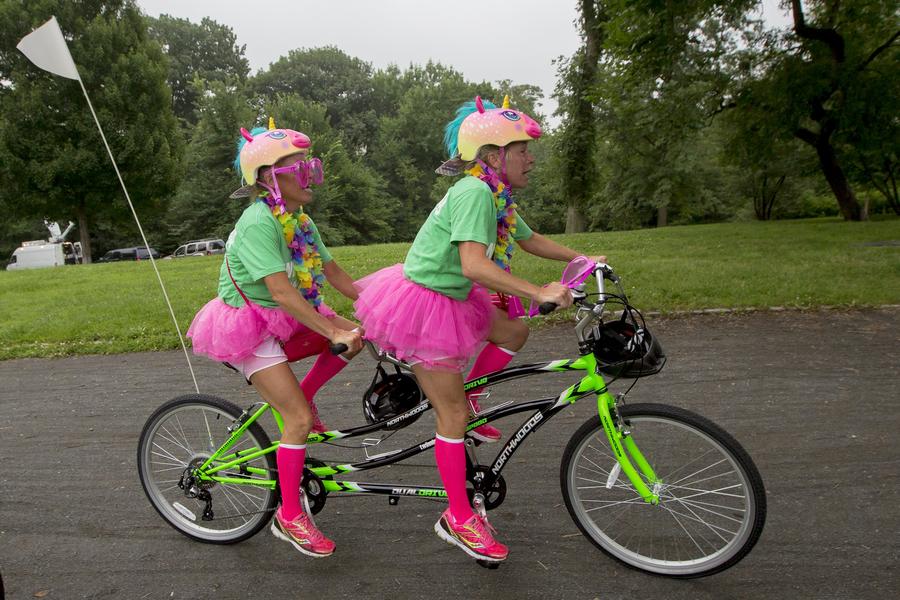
(493, 495)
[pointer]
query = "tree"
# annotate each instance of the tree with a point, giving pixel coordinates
(201, 207)
(409, 145)
(53, 158)
(577, 138)
(351, 206)
(807, 84)
(330, 77)
(837, 46)
(207, 51)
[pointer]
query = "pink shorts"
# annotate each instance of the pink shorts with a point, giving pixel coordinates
(267, 354)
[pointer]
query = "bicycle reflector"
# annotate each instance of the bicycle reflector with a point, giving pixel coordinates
(390, 396)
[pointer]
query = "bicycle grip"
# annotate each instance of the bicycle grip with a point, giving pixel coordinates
(547, 307)
(337, 348)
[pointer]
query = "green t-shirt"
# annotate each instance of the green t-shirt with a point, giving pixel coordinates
(257, 248)
(466, 214)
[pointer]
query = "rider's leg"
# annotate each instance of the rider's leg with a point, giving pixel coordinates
(278, 386)
(326, 366)
(445, 392)
(459, 525)
(506, 337)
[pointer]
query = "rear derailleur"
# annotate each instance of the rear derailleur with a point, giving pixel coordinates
(195, 490)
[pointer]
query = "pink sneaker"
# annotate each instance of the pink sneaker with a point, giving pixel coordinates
(318, 425)
(474, 537)
(485, 433)
(302, 534)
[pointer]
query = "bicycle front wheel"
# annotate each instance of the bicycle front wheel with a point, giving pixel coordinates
(179, 437)
(712, 503)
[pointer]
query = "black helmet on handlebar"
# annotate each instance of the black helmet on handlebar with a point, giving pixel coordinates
(390, 396)
(624, 347)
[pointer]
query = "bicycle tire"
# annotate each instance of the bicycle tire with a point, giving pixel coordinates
(686, 535)
(171, 440)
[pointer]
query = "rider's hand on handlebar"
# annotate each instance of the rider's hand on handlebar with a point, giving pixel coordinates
(556, 293)
(598, 259)
(352, 339)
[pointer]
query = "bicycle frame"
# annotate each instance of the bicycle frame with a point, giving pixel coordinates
(633, 463)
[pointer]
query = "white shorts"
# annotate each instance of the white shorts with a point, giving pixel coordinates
(267, 354)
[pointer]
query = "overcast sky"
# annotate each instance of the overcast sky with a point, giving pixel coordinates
(463, 35)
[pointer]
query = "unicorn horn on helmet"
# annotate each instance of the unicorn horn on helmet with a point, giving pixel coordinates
(480, 123)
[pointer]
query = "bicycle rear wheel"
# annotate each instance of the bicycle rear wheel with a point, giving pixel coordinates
(712, 503)
(182, 434)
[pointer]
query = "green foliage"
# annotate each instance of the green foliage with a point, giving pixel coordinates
(352, 206)
(409, 145)
(207, 51)
(201, 206)
(543, 203)
(330, 77)
(60, 167)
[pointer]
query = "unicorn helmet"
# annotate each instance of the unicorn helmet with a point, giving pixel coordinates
(495, 126)
(264, 147)
(481, 123)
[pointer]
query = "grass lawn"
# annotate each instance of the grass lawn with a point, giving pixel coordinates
(118, 307)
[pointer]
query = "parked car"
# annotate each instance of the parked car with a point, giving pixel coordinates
(200, 248)
(135, 253)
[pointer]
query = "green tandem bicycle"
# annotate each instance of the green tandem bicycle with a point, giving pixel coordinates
(656, 487)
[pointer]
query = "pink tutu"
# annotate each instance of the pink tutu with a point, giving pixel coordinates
(419, 325)
(228, 334)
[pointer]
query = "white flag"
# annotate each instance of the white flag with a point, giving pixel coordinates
(46, 47)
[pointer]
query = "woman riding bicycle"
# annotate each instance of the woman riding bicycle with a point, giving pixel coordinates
(435, 312)
(269, 292)
(508, 334)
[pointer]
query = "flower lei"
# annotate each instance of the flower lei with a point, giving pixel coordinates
(298, 233)
(506, 214)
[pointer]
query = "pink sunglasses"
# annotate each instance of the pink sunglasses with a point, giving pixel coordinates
(305, 171)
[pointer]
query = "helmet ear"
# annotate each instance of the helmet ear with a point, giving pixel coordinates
(479, 104)
(246, 135)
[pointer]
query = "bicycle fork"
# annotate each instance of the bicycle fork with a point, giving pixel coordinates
(619, 437)
(620, 440)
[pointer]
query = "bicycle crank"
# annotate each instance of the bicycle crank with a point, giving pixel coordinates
(492, 495)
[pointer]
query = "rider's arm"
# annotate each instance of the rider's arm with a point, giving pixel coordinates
(480, 269)
(339, 279)
(288, 298)
(547, 248)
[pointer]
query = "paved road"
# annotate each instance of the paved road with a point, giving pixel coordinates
(813, 397)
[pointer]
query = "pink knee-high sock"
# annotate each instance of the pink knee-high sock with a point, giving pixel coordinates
(290, 459)
(492, 358)
(451, 463)
(326, 366)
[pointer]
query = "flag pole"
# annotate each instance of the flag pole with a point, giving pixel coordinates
(143, 237)
(46, 48)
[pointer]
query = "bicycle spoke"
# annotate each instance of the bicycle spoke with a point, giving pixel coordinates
(700, 470)
(690, 518)
(173, 441)
(718, 492)
(718, 514)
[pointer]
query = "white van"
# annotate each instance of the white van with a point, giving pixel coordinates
(38, 254)
(200, 248)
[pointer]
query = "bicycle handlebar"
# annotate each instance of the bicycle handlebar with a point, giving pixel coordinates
(547, 307)
(337, 348)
